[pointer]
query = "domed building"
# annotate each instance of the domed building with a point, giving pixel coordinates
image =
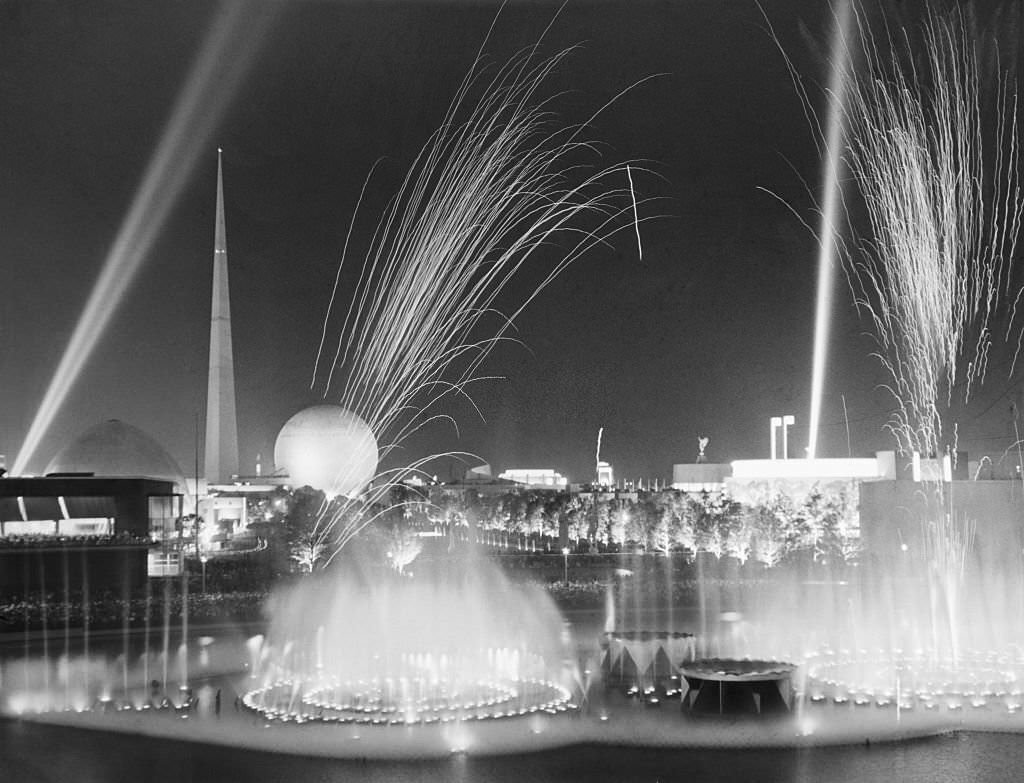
(113, 448)
(113, 496)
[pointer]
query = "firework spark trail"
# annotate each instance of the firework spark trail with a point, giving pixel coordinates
(943, 202)
(636, 214)
(494, 184)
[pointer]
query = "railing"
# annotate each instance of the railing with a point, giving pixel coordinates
(40, 541)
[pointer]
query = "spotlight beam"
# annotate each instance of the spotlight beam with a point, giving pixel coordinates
(223, 59)
(827, 228)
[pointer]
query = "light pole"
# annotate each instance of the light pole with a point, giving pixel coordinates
(781, 423)
(565, 571)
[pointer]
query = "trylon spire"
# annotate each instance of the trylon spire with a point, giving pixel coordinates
(221, 426)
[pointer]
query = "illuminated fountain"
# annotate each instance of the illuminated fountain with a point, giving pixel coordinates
(429, 649)
(929, 619)
(891, 633)
(924, 628)
(487, 192)
(491, 191)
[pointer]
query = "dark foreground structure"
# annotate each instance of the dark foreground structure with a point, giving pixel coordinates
(85, 533)
(729, 687)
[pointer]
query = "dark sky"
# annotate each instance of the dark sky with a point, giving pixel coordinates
(710, 334)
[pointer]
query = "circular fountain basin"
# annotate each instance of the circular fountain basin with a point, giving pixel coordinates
(976, 680)
(378, 729)
(400, 701)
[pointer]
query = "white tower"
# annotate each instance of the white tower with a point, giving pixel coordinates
(221, 427)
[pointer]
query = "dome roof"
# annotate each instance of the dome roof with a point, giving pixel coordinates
(328, 448)
(114, 448)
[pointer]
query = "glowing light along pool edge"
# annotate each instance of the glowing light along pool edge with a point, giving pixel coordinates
(501, 700)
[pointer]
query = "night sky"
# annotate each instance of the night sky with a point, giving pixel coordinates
(710, 334)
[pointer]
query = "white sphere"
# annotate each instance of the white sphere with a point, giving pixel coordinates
(328, 448)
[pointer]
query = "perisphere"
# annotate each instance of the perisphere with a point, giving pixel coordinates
(328, 448)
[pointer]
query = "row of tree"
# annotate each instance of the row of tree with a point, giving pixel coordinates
(773, 528)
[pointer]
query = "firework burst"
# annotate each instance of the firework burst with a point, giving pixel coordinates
(935, 165)
(499, 180)
(943, 200)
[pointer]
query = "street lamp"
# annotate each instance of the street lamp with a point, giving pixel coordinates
(565, 558)
(781, 423)
(787, 422)
(202, 559)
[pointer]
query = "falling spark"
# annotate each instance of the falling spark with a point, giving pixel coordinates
(600, 432)
(944, 207)
(636, 214)
(846, 419)
(492, 186)
(943, 201)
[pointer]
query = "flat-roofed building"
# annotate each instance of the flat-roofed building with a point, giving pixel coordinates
(536, 478)
(99, 531)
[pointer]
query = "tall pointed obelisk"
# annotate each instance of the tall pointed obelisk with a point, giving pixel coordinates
(221, 427)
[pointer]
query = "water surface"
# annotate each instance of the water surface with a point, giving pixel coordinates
(36, 753)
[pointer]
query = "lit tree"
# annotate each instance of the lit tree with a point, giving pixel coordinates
(403, 545)
(715, 518)
(768, 538)
(308, 551)
(681, 519)
(305, 538)
(577, 515)
(618, 519)
(649, 524)
(554, 509)
(740, 541)
(779, 528)
(514, 511)
(600, 521)
(833, 521)
(534, 515)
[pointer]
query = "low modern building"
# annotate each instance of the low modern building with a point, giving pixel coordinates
(697, 477)
(535, 478)
(85, 532)
(750, 480)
